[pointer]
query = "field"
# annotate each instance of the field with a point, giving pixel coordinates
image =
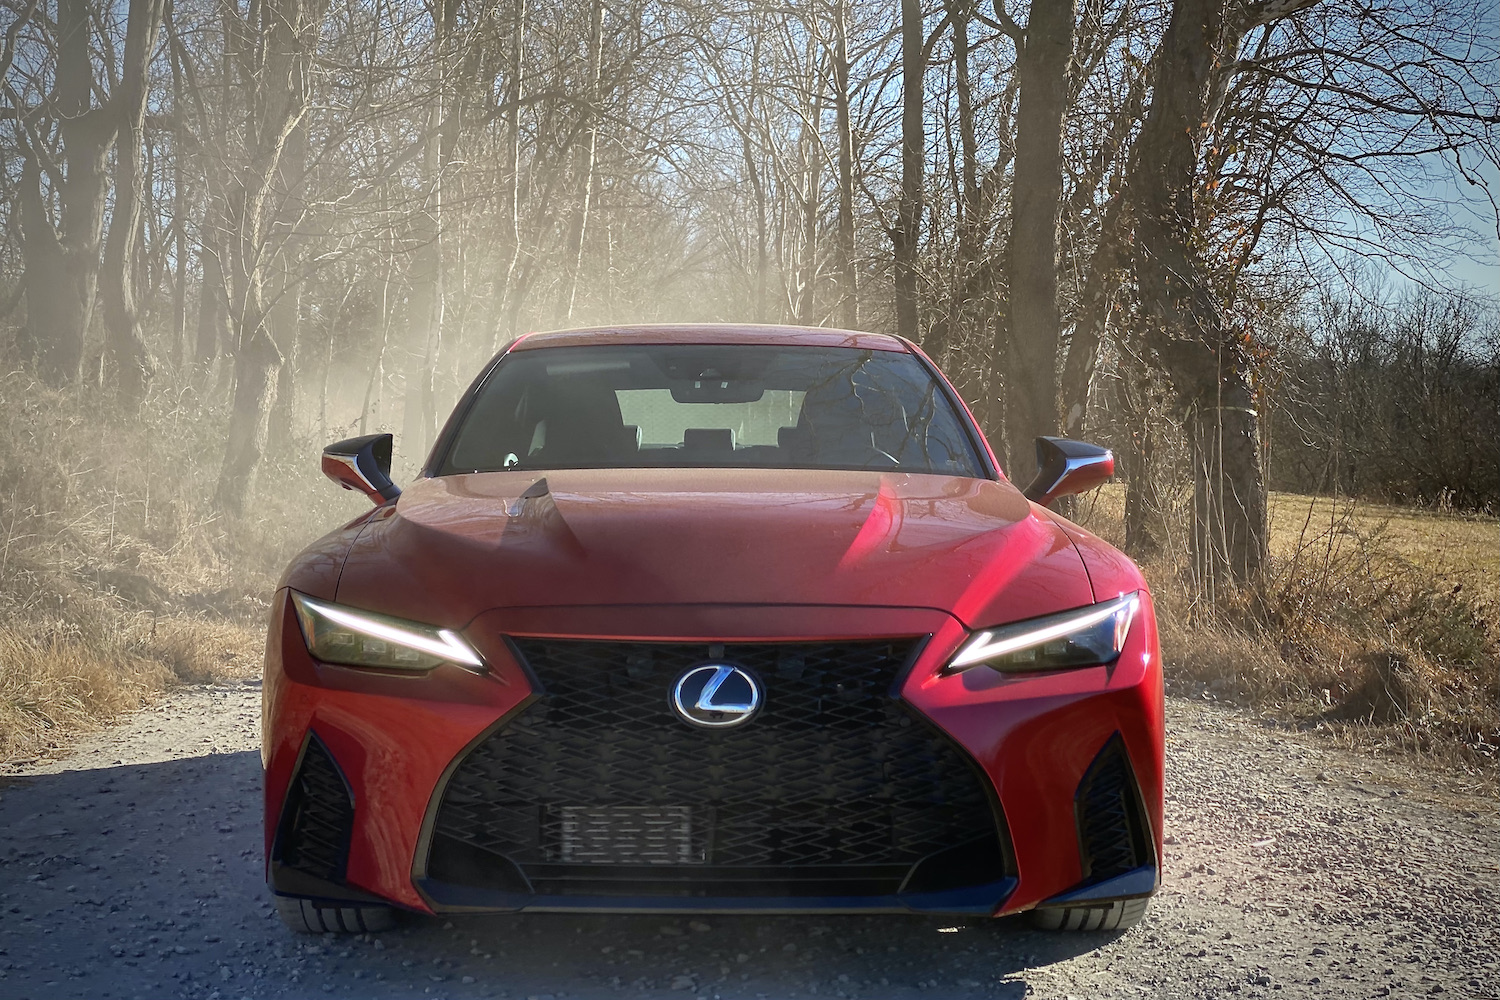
(1459, 550)
(1377, 623)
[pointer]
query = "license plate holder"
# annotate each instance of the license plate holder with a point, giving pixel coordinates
(627, 835)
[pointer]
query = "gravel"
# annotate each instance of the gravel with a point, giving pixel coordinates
(132, 868)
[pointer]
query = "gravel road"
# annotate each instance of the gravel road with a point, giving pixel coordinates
(132, 868)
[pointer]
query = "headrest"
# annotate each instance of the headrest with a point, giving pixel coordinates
(708, 439)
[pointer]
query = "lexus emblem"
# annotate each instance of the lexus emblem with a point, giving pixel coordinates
(716, 696)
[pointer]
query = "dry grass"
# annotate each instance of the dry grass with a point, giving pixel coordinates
(117, 577)
(1455, 549)
(1376, 623)
(53, 688)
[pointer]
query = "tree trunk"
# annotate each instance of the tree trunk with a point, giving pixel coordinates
(937, 339)
(62, 263)
(286, 34)
(46, 279)
(425, 305)
(506, 331)
(215, 331)
(1207, 364)
(847, 313)
(1095, 302)
(284, 280)
(284, 324)
(256, 365)
(584, 169)
(129, 361)
(812, 196)
(179, 210)
(1136, 398)
(970, 207)
(212, 329)
(1029, 345)
(907, 236)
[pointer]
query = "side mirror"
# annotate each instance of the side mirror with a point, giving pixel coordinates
(1066, 467)
(364, 464)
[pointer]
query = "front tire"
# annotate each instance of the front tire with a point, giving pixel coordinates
(1113, 916)
(306, 917)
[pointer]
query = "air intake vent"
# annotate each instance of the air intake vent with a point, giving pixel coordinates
(1111, 831)
(318, 818)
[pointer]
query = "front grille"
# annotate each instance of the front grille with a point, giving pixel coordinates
(833, 781)
(318, 817)
(1111, 831)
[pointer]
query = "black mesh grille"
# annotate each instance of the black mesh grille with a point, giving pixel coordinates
(601, 772)
(1110, 828)
(318, 817)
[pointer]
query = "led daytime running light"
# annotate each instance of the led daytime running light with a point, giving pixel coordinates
(995, 643)
(442, 643)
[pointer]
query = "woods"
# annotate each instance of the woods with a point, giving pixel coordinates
(1112, 219)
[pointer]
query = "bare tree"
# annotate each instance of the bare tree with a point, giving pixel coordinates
(848, 306)
(275, 69)
(124, 345)
(1207, 361)
(62, 258)
(906, 237)
(1030, 344)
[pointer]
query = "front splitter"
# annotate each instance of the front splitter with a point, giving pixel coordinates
(974, 901)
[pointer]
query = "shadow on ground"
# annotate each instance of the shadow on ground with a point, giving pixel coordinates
(146, 880)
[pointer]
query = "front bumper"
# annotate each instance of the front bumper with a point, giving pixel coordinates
(396, 743)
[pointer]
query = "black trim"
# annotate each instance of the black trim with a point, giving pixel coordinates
(429, 817)
(1114, 834)
(289, 882)
(977, 441)
(975, 901)
(1133, 884)
(537, 688)
(1053, 457)
(1002, 825)
(300, 850)
(372, 458)
(904, 671)
(444, 442)
(983, 860)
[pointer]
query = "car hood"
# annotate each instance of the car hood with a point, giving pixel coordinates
(453, 547)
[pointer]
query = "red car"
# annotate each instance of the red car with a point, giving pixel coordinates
(712, 619)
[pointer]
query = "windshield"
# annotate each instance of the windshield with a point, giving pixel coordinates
(711, 406)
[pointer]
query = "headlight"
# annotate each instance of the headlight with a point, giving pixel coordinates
(336, 634)
(1086, 637)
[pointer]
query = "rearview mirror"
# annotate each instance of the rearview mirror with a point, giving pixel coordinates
(364, 464)
(714, 390)
(1066, 467)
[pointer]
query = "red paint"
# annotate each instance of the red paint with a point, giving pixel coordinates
(1089, 477)
(342, 471)
(711, 555)
(461, 545)
(725, 333)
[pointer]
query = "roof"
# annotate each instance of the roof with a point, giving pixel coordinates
(712, 333)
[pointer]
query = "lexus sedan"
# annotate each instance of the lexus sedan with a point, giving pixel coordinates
(712, 619)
